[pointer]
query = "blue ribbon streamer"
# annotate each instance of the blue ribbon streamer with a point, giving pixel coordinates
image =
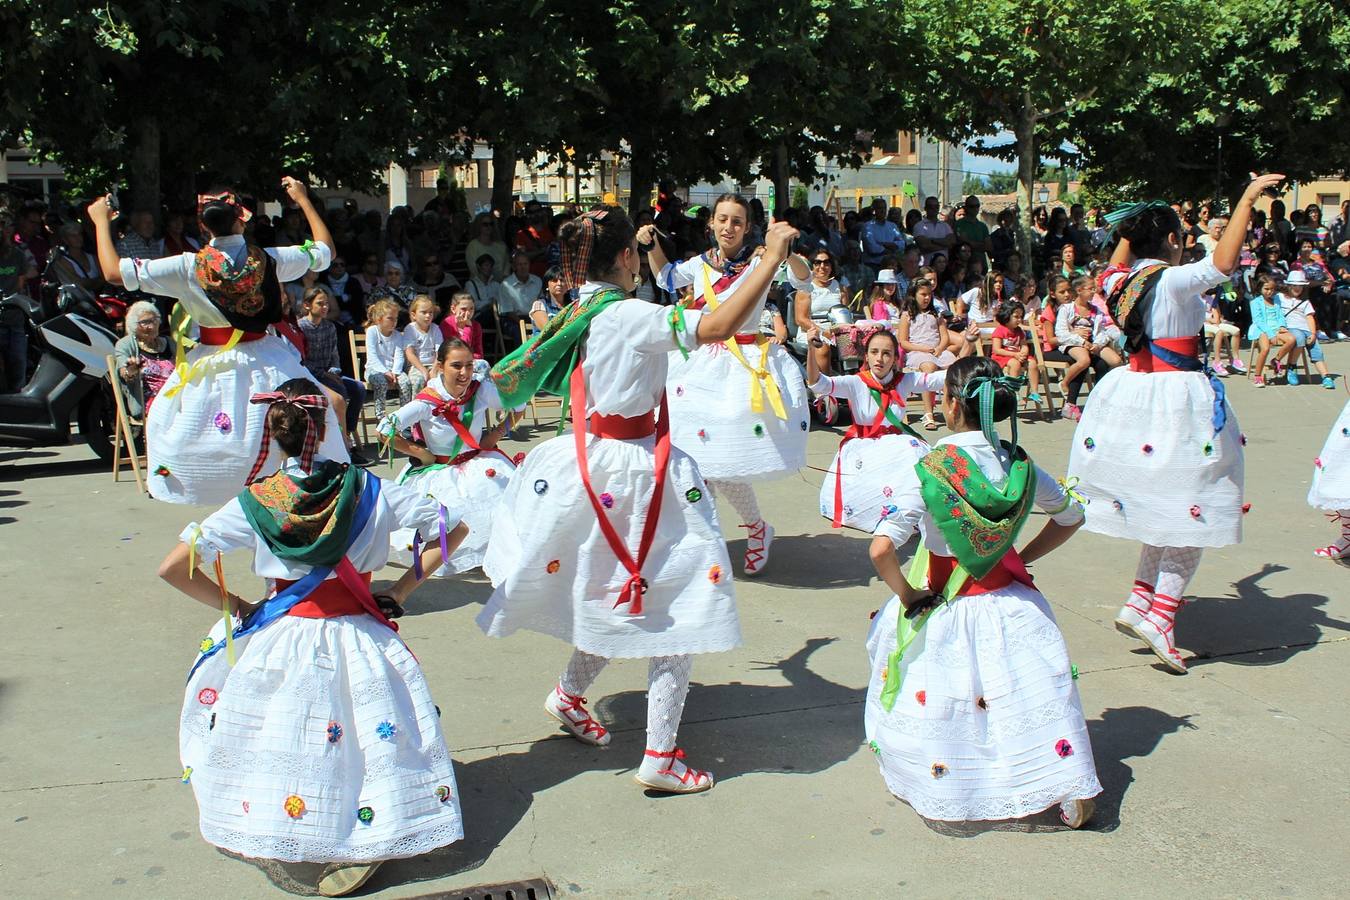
(1192, 364)
(279, 604)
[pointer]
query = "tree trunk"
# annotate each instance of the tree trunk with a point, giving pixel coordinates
(503, 178)
(143, 166)
(782, 178)
(642, 175)
(1024, 131)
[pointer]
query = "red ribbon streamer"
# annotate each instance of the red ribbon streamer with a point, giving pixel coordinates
(634, 587)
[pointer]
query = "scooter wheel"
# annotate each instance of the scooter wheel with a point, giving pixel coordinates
(98, 419)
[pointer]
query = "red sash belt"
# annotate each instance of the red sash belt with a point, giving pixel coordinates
(219, 337)
(1142, 360)
(636, 585)
(621, 428)
(1009, 569)
(329, 600)
(889, 395)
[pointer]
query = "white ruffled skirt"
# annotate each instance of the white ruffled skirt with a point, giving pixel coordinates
(1331, 469)
(555, 573)
(201, 442)
(988, 724)
(872, 469)
(471, 493)
(321, 745)
(711, 420)
(1147, 459)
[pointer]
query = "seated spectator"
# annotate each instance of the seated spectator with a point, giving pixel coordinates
(144, 358)
(422, 338)
(346, 290)
(485, 241)
(1217, 328)
(1301, 321)
(72, 266)
(434, 281)
(393, 288)
(551, 302)
(484, 288)
(139, 240)
(297, 291)
(461, 325)
(536, 241)
(324, 365)
(516, 296)
(386, 363)
(176, 238)
(1268, 330)
(1009, 347)
(883, 306)
(369, 278)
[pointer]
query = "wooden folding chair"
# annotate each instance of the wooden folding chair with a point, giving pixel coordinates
(368, 417)
(1301, 355)
(1044, 367)
(122, 434)
(538, 400)
(498, 342)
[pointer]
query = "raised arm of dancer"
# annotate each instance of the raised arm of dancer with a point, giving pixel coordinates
(656, 257)
(300, 197)
(102, 215)
(1229, 249)
(721, 323)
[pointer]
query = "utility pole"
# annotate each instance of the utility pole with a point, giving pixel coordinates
(942, 173)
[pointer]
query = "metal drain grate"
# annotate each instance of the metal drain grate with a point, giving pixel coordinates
(530, 889)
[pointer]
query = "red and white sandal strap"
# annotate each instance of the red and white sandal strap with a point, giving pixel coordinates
(570, 704)
(754, 543)
(688, 775)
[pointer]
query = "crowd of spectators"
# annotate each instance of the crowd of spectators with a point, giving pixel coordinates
(490, 278)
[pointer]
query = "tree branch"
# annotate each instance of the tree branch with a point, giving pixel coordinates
(1086, 95)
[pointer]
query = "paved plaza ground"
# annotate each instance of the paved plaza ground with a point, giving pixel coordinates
(1232, 781)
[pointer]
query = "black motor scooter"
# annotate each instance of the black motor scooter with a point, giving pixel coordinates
(68, 384)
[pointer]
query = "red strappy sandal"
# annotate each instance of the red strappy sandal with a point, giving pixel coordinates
(571, 712)
(675, 778)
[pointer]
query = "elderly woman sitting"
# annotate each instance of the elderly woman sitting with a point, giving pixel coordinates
(144, 358)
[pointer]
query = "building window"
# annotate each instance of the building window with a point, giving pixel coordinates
(1331, 206)
(909, 147)
(890, 144)
(426, 178)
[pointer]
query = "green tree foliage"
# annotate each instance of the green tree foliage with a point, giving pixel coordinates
(1267, 90)
(149, 93)
(1023, 64)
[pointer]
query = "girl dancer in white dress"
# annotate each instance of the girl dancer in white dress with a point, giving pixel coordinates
(1158, 453)
(607, 537)
(308, 733)
(971, 708)
(860, 484)
(735, 443)
(1330, 489)
(202, 432)
(457, 462)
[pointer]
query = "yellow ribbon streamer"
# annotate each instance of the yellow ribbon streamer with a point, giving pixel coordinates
(1071, 494)
(188, 374)
(225, 611)
(761, 379)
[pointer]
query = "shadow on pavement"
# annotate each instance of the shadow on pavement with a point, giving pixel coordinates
(496, 793)
(1120, 734)
(444, 594)
(812, 561)
(1218, 629)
